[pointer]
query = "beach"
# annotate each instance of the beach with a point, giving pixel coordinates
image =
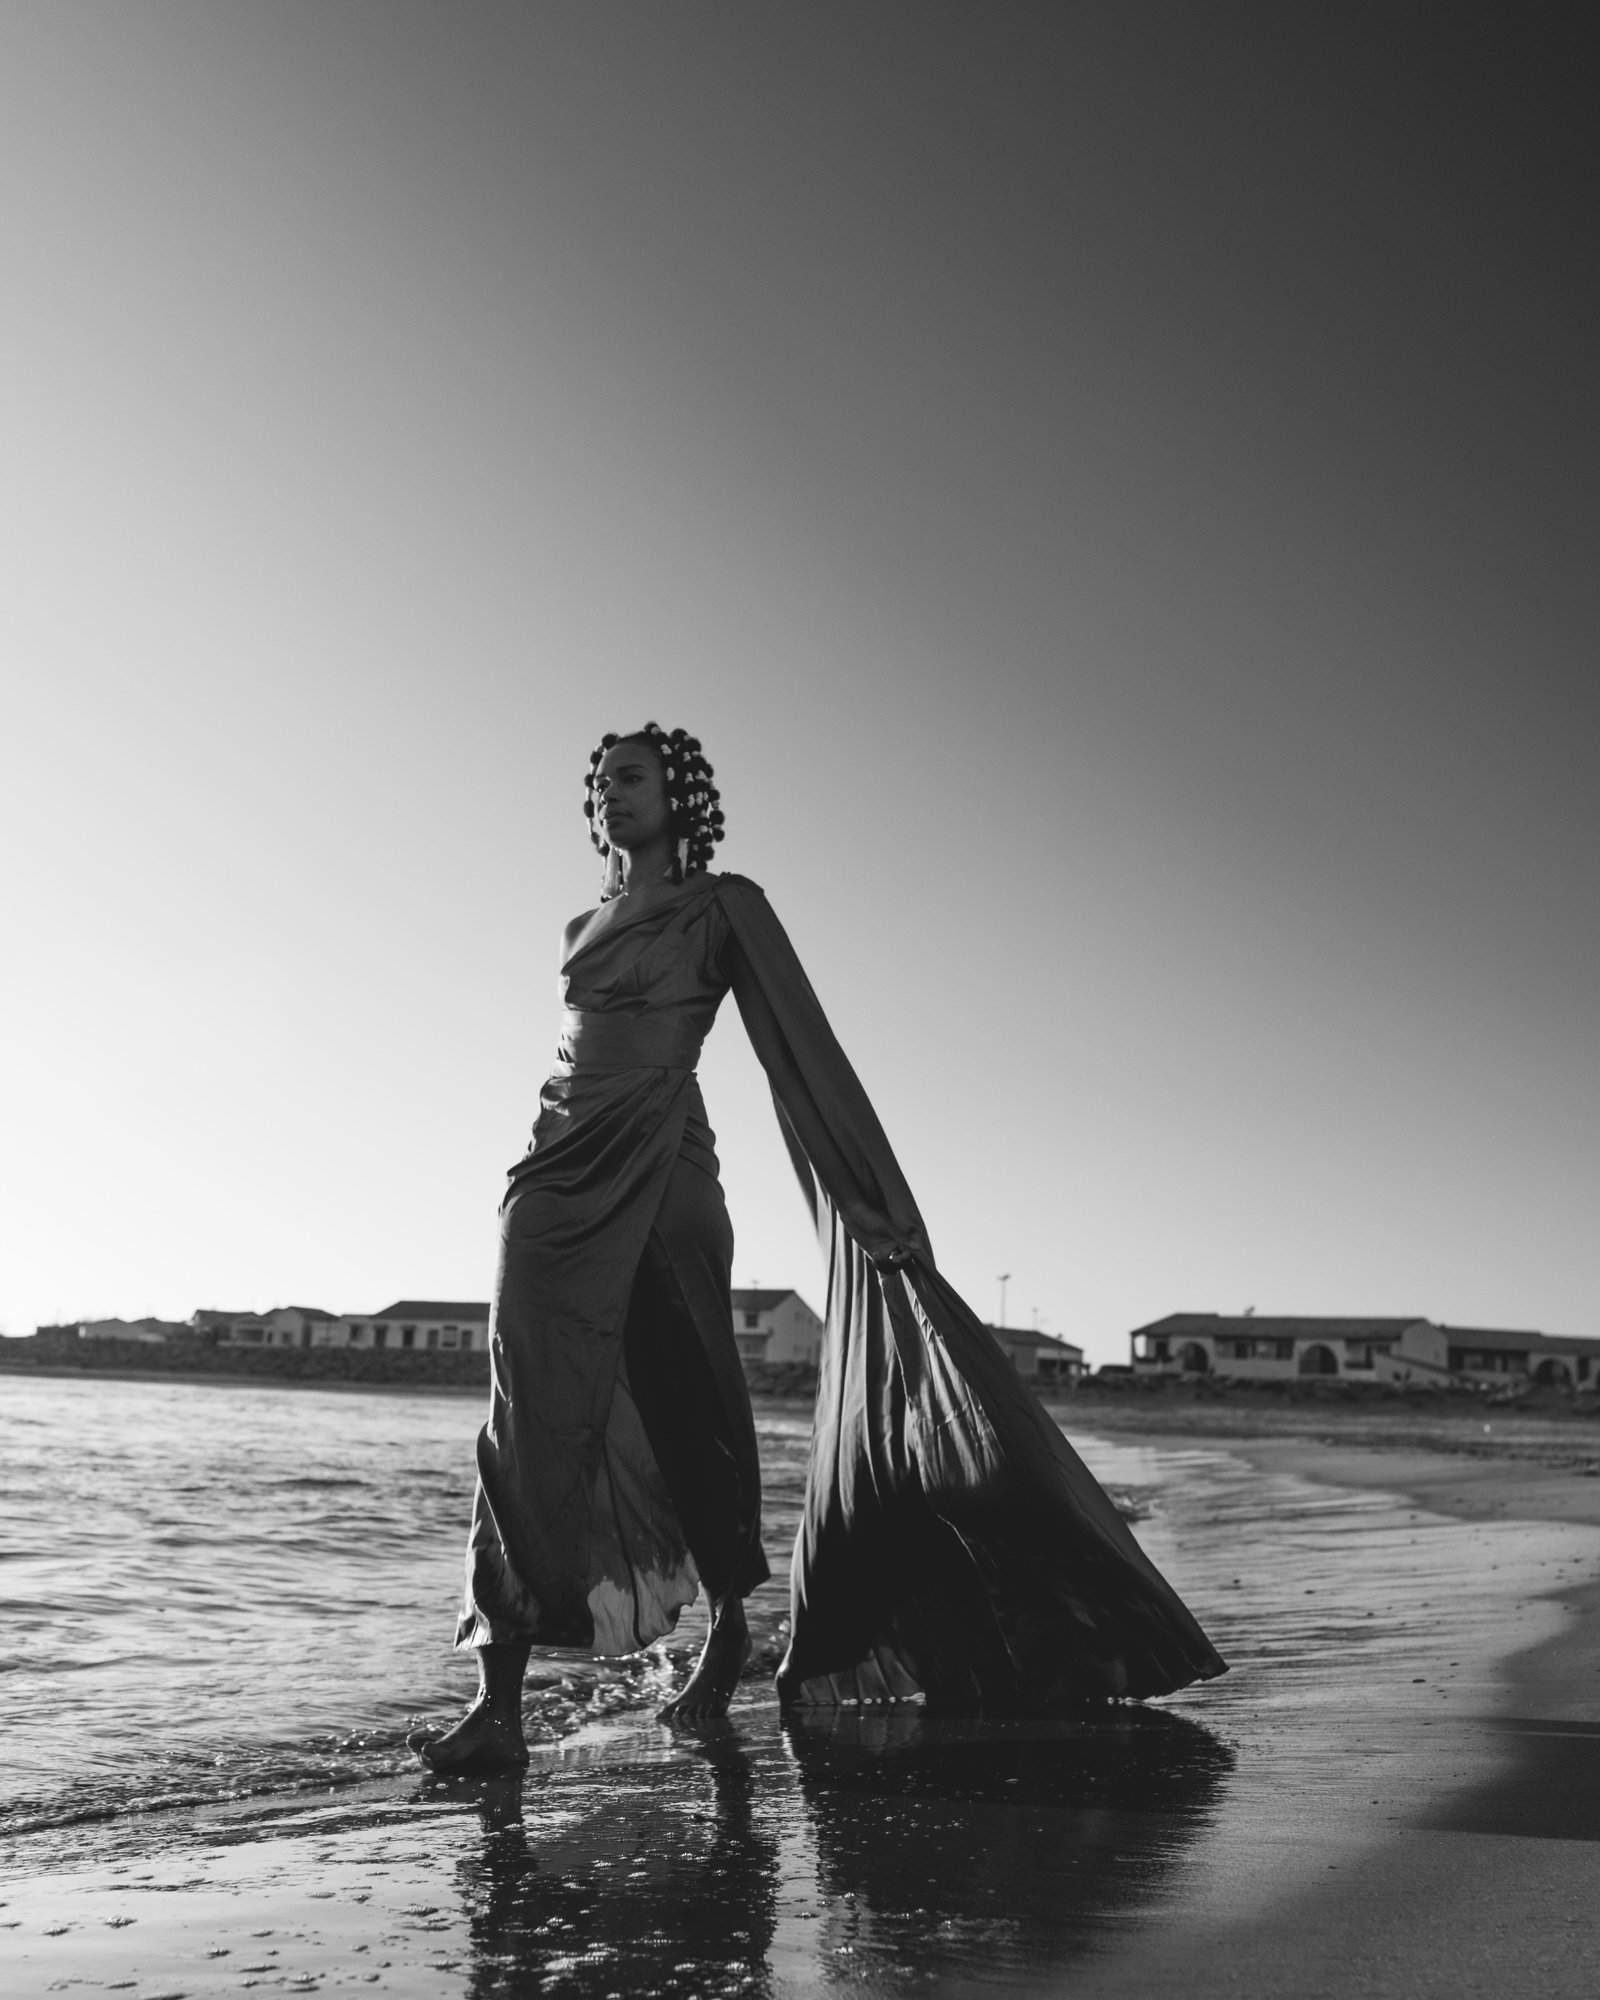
(1390, 1792)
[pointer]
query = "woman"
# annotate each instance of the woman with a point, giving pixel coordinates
(953, 1545)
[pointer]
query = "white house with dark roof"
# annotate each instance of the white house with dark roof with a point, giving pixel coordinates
(1251, 1348)
(1248, 1347)
(773, 1326)
(150, 1332)
(1042, 1357)
(283, 1326)
(420, 1326)
(1497, 1354)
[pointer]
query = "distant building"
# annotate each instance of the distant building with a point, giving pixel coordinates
(420, 1325)
(1043, 1357)
(1252, 1348)
(1486, 1353)
(1248, 1348)
(776, 1327)
(283, 1326)
(150, 1331)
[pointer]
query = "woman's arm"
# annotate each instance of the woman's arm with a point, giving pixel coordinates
(831, 1129)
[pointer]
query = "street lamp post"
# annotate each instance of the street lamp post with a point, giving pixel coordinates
(1005, 1279)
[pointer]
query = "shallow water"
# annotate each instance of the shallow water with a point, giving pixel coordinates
(218, 1591)
(213, 1591)
(244, 1595)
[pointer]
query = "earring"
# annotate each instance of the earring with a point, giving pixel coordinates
(611, 875)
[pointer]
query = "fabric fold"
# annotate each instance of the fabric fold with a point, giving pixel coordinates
(952, 1542)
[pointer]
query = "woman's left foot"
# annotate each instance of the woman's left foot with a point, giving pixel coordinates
(713, 1681)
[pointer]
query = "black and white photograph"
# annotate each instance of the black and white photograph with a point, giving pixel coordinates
(800, 1040)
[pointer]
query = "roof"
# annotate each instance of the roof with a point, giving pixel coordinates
(1241, 1326)
(1030, 1336)
(307, 1312)
(761, 1302)
(428, 1309)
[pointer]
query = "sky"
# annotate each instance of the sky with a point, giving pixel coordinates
(1112, 486)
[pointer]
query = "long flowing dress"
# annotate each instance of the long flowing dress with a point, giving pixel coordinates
(952, 1545)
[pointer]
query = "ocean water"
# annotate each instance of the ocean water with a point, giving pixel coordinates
(237, 1599)
(215, 1592)
(218, 1591)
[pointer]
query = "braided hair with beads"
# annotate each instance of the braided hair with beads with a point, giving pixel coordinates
(691, 796)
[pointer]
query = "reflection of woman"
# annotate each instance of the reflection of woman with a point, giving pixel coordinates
(953, 1544)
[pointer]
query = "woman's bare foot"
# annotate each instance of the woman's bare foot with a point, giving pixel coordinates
(713, 1681)
(489, 1736)
(480, 1743)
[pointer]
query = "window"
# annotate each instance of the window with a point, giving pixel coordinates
(433, 1336)
(1283, 1350)
(449, 1337)
(466, 1337)
(408, 1336)
(752, 1319)
(356, 1331)
(1160, 1352)
(1243, 1350)
(380, 1336)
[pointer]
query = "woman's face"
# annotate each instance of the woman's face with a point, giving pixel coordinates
(630, 796)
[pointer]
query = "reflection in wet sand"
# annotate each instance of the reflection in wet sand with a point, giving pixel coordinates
(750, 1857)
(1007, 1846)
(678, 1896)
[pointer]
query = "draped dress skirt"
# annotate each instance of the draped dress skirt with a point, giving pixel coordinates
(952, 1547)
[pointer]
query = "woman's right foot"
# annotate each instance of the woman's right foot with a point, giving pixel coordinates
(481, 1743)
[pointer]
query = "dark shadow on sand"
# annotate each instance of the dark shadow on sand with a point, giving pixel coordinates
(894, 1845)
(1549, 1789)
(972, 1849)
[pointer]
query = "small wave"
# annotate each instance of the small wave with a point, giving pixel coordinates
(315, 1479)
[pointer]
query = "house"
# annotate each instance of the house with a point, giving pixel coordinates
(420, 1325)
(1492, 1354)
(1043, 1357)
(283, 1326)
(1251, 1348)
(151, 1331)
(776, 1327)
(1259, 1349)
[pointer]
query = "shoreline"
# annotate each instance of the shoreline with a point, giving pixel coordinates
(1488, 1889)
(1318, 1824)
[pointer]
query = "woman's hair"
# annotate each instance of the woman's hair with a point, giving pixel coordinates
(693, 799)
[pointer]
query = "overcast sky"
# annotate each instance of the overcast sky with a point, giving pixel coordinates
(1113, 486)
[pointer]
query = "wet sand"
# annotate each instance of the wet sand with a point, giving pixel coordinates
(1392, 1793)
(1489, 1885)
